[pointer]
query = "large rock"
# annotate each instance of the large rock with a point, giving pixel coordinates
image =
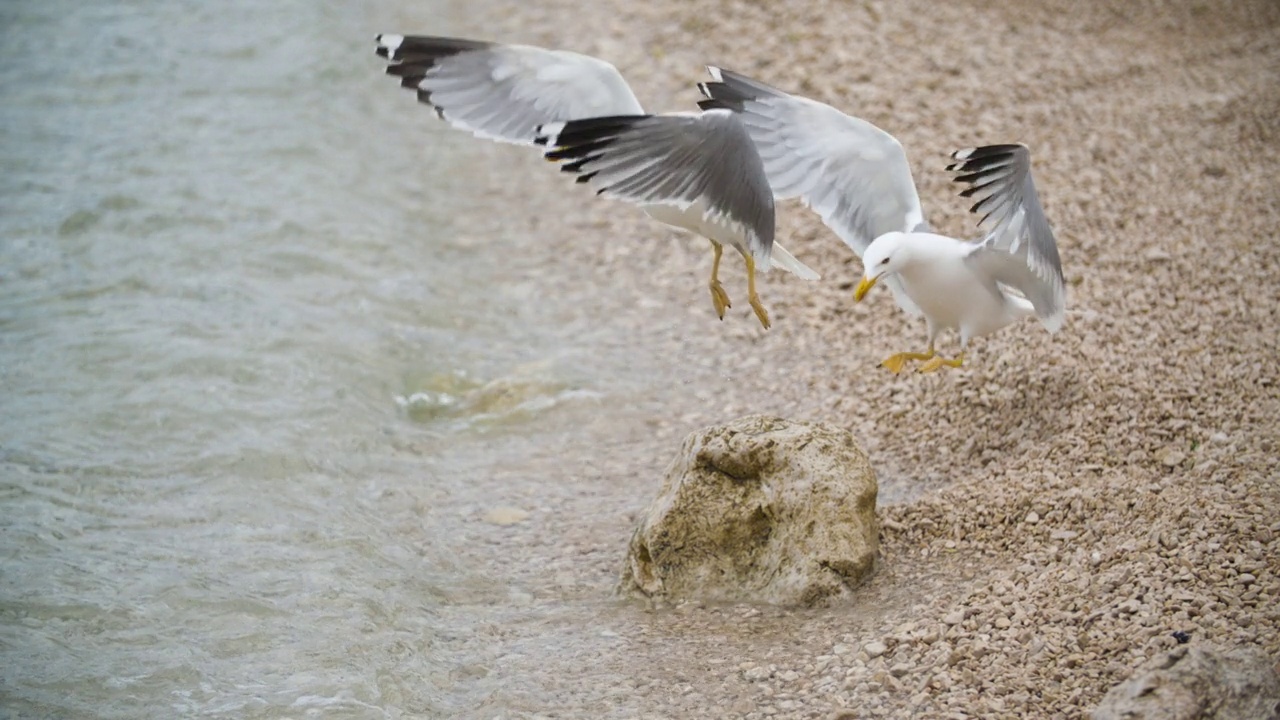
(1194, 682)
(762, 510)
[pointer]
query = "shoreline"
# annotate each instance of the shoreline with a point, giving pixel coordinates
(1070, 501)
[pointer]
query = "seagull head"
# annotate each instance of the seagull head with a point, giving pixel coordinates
(882, 257)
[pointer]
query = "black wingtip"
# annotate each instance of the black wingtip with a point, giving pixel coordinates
(984, 153)
(713, 104)
(576, 165)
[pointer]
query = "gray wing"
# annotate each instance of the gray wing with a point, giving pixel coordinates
(852, 173)
(1019, 249)
(703, 164)
(503, 92)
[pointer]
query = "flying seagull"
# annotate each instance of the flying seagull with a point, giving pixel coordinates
(697, 171)
(694, 171)
(856, 177)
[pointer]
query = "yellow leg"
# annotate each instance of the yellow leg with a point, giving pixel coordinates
(719, 297)
(938, 362)
(895, 362)
(752, 297)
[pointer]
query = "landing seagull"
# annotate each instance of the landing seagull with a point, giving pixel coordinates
(694, 171)
(856, 177)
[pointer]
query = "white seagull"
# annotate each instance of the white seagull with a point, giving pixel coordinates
(856, 177)
(696, 171)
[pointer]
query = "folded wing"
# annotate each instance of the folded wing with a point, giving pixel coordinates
(504, 92)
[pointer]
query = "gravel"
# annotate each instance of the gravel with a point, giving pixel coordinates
(1056, 510)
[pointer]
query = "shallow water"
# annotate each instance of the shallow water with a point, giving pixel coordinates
(249, 368)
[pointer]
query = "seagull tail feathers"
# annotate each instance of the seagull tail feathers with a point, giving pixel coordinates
(780, 258)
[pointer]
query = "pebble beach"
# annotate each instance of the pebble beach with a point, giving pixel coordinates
(1054, 511)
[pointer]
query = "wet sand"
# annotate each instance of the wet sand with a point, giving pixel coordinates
(1054, 510)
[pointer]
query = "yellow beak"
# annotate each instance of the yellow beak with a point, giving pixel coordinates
(863, 287)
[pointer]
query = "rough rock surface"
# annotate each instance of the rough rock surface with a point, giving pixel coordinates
(759, 509)
(1197, 683)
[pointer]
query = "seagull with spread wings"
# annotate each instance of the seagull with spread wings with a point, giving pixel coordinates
(856, 177)
(697, 171)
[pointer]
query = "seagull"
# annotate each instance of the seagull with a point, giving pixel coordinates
(697, 171)
(856, 177)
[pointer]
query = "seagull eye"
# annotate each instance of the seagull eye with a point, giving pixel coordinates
(884, 261)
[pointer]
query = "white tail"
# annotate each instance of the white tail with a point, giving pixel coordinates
(780, 258)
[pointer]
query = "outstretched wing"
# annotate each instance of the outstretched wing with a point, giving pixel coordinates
(1019, 249)
(852, 173)
(702, 166)
(504, 92)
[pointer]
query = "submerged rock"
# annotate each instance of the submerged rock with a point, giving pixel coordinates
(1197, 683)
(760, 510)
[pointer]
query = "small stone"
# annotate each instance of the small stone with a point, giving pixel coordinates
(1247, 579)
(505, 516)
(899, 670)
(1171, 457)
(954, 618)
(842, 649)
(875, 649)
(1033, 517)
(1002, 622)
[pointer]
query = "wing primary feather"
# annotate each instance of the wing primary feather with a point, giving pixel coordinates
(503, 92)
(852, 173)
